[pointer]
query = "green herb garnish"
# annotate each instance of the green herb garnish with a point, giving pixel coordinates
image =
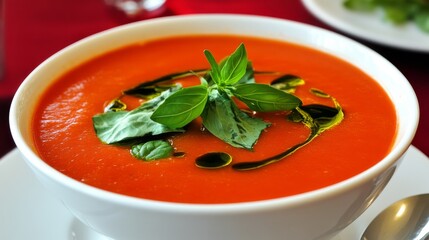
(396, 11)
(115, 127)
(264, 98)
(182, 107)
(152, 150)
(211, 100)
(169, 108)
(226, 121)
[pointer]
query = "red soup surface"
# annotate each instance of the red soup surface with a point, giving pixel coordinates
(65, 137)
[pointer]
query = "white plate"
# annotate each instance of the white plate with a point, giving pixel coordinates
(368, 26)
(27, 211)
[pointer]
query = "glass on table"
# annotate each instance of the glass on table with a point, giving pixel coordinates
(138, 9)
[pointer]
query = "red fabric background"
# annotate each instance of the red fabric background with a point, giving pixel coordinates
(36, 29)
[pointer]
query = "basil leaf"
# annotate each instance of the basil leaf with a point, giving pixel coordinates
(249, 76)
(116, 127)
(152, 150)
(214, 72)
(264, 98)
(182, 107)
(234, 67)
(223, 119)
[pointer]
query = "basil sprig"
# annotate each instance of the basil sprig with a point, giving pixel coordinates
(395, 11)
(169, 107)
(212, 101)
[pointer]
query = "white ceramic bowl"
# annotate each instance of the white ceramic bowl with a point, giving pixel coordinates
(314, 215)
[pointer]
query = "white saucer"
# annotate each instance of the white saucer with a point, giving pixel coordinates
(369, 26)
(28, 211)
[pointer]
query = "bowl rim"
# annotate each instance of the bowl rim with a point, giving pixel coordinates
(223, 208)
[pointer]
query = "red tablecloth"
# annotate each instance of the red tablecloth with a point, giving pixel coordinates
(36, 29)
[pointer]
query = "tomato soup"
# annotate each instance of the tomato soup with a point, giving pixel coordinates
(65, 138)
